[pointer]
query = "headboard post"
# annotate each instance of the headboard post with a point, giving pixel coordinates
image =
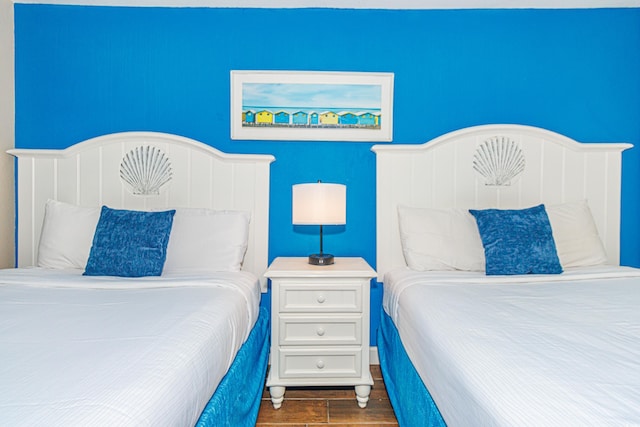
(444, 173)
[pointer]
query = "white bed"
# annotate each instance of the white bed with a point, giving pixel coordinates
(180, 348)
(460, 347)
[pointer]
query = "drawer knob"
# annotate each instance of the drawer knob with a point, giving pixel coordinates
(321, 298)
(320, 364)
(320, 331)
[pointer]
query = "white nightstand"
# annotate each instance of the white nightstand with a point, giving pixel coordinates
(319, 326)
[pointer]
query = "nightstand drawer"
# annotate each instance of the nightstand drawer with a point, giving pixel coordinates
(325, 298)
(320, 330)
(320, 362)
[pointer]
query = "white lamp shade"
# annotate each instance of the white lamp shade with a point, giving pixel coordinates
(319, 204)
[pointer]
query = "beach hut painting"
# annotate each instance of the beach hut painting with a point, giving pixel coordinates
(311, 106)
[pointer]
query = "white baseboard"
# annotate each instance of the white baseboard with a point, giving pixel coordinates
(373, 356)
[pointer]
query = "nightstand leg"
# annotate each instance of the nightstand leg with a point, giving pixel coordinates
(277, 396)
(362, 394)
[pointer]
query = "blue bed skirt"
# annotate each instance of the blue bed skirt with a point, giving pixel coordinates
(409, 397)
(236, 401)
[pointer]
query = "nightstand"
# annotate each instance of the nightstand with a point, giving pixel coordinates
(319, 326)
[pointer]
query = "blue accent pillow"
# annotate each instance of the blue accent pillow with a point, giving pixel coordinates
(129, 243)
(517, 241)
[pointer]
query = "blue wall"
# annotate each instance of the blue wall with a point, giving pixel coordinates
(86, 71)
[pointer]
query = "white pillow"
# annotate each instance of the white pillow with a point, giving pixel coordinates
(204, 241)
(67, 235)
(577, 240)
(440, 239)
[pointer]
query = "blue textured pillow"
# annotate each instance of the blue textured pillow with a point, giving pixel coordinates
(129, 243)
(517, 241)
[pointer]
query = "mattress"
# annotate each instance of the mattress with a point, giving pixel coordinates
(77, 350)
(523, 350)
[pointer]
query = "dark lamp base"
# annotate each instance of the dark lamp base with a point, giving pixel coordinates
(321, 259)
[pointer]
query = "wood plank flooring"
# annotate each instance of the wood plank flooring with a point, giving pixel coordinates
(333, 407)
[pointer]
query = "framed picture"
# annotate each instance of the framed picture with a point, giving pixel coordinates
(311, 106)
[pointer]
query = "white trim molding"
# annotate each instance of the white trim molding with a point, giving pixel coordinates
(7, 135)
(357, 4)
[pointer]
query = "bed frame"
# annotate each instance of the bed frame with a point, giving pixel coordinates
(150, 170)
(496, 166)
(144, 170)
(492, 166)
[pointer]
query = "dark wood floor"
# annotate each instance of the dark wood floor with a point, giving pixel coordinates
(315, 407)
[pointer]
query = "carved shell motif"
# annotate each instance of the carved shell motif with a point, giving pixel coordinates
(145, 169)
(499, 160)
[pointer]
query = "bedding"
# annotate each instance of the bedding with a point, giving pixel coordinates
(524, 350)
(576, 235)
(201, 241)
(67, 234)
(449, 239)
(195, 244)
(85, 350)
(531, 349)
(411, 401)
(517, 241)
(440, 239)
(129, 243)
(236, 401)
(174, 349)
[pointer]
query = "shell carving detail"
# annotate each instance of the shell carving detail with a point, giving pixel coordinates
(499, 160)
(145, 169)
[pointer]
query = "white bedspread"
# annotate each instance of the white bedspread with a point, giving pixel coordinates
(98, 351)
(559, 350)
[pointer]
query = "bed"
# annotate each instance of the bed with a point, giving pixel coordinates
(136, 298)
(504, 302)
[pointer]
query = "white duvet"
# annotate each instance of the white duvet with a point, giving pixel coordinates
(539, 350)
(98, 351)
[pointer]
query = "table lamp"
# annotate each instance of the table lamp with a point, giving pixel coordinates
(319, 204)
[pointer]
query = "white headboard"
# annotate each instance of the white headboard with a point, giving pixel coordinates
(89, 174)
(441, 173)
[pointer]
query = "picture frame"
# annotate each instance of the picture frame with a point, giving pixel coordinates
(311, 106)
